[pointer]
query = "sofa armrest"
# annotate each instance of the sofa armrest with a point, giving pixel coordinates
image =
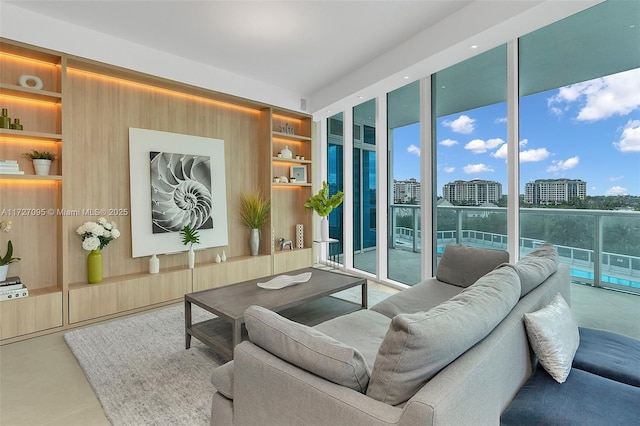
(266, 387)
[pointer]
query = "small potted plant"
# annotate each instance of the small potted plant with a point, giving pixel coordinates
(254, 210)
(8, 258)
(322, 204)
(41, 161)
(190, 236)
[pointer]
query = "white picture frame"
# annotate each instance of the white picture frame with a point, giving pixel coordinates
(299, 173)
(205, 172)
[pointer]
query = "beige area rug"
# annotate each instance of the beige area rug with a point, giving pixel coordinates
(142, 374)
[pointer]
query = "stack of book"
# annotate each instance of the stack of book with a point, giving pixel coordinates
(10, 167)
(12, 288)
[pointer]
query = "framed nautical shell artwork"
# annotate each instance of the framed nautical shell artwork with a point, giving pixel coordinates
(175, 180)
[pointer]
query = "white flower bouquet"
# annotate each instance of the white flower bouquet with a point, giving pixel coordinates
(96, 235)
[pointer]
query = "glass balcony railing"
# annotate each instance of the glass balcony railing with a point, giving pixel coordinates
(601, 247)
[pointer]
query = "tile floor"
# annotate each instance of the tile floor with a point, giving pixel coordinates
(42, 384)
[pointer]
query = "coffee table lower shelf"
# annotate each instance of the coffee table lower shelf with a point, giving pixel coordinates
(217, 333)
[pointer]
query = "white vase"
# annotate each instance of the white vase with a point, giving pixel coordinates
(154, 265)
(218, 258)
(224, 256)
(4, 269)
(324, 229)
(191, 257)
(254, 242)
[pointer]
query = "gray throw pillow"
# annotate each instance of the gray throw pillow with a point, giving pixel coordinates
(307, 348)
(554, 337)
(417, 346)
(536, 267)
(462, 265)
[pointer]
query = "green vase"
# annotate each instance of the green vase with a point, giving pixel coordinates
(94, 267)
(5, 121)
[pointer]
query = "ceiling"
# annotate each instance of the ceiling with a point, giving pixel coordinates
(298, 45)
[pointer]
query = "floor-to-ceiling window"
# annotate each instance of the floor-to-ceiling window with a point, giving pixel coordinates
(403, 177)
(335, 179)
(578, 116)
(470, 146)
(579, 83)
(364, 187)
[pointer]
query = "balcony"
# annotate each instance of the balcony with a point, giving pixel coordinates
(593, 263)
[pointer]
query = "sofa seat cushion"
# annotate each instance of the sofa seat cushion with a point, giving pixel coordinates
(419, 298)
(584, 399)
(363, 330)
(417, 346)
(307, 348)
(463, 265)
(609, 355)
(536, 267)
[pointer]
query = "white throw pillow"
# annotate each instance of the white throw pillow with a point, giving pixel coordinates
(554, 337)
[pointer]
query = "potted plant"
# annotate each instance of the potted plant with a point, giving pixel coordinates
(8, 257)
(254, 210)
(41, 161)
(322, 204)
(190, 236)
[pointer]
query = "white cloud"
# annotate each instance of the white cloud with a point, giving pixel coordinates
(477, 168)
(526, 156)
(463, 124)
(630, 139)
(616, 190)
(500, 120)
(449, 169)
(412, 149)
(501, 152)
(448, 142)
(615, 178)
(557, 166)
(479, 146)
(533, 155)
(617, 94)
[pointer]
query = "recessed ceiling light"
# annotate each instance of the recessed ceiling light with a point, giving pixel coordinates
(360, 97)
(473, 46)
(406, 77)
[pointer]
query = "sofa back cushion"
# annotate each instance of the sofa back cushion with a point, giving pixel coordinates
(417, 346)
(307, 348)
(462, 265)
(536, 267)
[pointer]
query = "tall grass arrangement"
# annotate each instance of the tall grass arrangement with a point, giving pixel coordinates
(254, 209)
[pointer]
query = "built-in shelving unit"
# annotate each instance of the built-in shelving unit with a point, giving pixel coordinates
(88, 107)
(30, 202)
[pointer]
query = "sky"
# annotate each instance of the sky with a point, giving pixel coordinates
(588, 131)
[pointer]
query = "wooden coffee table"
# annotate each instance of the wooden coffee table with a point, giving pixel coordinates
(308, 303)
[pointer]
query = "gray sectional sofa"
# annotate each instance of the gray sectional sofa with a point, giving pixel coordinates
(452, 350)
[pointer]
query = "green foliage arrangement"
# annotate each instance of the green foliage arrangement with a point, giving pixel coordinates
(254, 208)
(40, 155)
(321, 203)
(189, 236)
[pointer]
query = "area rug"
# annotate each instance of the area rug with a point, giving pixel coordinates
(142, 374)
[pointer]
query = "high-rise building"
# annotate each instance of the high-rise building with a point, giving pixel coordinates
(406, 191)
(474, 192)
(554, 191)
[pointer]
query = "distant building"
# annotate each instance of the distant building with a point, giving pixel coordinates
(554, 191)
(474, 192)
(406, 191)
